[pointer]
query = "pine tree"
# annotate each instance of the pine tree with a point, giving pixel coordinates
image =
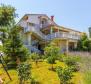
(14, 47)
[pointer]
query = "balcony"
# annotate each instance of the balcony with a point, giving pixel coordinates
(63, 35)
(44, 25)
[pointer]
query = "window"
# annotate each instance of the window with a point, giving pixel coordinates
(44, 21)
(31, 24)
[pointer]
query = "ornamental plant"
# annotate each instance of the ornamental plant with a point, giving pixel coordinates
(35, 57)
(64, 74)
(72, 62)
(51, 53)
(24, 72)
(51, 60)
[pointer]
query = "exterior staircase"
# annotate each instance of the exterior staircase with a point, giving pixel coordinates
(36, 30)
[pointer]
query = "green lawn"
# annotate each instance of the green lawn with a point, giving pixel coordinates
(41, 73)
(86, 68)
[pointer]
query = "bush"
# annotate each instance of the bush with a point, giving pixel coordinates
(73, 63)
(64, 74)
(70, 61)
(24, 72)
(33, 81)
(51, 60)
(35, 57)
(61, 57)
(75, 68)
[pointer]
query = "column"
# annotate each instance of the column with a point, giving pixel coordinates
(75, 45)
(51, 31)
(29, 39)
(67, 47)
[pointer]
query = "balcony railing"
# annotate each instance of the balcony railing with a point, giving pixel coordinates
(44, 25)
(63, 35)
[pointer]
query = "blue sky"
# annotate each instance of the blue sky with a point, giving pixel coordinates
(75, 14)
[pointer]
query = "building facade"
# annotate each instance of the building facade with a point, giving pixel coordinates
(38, 30)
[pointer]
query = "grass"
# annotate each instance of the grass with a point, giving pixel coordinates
(41, 73)
(5, 78)
(87, 77)
(85, 62)
(86, 68)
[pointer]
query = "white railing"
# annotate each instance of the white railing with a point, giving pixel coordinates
(63, 35)
(53, 35)
(44, 25)
(35, 30)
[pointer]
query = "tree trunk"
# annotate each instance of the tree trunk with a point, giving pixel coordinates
(18, 60)
(36, 62)
(52, 67)
(21, 81)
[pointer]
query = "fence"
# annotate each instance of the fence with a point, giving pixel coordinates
(79, 53)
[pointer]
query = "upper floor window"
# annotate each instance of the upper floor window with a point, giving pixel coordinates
(44, 21)
(31, 24)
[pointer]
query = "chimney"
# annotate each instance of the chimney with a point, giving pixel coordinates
(52, 18)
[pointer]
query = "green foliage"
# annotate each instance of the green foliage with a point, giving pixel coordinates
(24, 72)
(35, 57)
(72, 62)
(1, 48)
(64, 74)
(34, 81)
(7, 15)
(51, 59)
(84, 44)
(61, 57)
(51, 53)
(11, 64)
(14, 47)
(51, 50)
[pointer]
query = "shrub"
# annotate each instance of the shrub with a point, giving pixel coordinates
(75, 68)
(33, 81)
(51, 50)
(51, 60)
(51, 53)
(73, 63)
(24, 72)
(61, 57)
(35, 57)
(70, 61)
(64, 74)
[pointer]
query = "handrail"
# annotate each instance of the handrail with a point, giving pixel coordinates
(63, 35)
(53, 35)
